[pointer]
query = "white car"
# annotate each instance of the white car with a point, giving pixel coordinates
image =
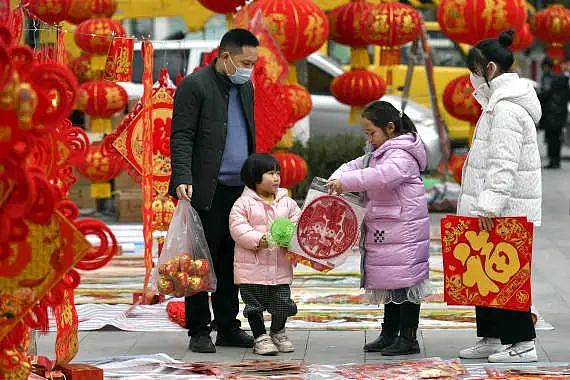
(328, 116)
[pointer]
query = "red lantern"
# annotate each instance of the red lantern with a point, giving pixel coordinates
(456, 162)
(357, 88)
(81, 67)
(458, 100)
(390, 24)
(293, 169)
(345, 23)
(82, 10)
(101, 99)
(523, 39)
(300, 100)
(222, 6)
(552, 25)
(100, 168)
(299, 27)
(470, 21)
(50, 11)
(95, 36)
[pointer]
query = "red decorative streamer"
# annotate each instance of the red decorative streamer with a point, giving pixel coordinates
(147, 175)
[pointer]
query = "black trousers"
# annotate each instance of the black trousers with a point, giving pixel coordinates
(225, 303)
(508, 325)
(553, 137)
(276, 299)
(400, 316)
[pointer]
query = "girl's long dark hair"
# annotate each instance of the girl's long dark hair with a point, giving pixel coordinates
(380, 113)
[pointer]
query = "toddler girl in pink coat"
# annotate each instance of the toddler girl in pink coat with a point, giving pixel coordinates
(263, 272)
(395, 245)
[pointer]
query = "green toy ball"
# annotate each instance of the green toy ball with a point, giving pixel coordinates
(281, 232)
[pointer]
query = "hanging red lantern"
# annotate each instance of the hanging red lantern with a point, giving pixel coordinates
(345, 28)
(552, 25)
(101, 100)
(470, 21)
(523, 39)
(357, 88)
(222, 6)
(100, 168)
(293, 169)
(345, 23)
(50, 11)
(300, 100)
(390, 24)
(299, 27)
(456, 162)
(81, 67)
(95, 36)
(458, 100)
(82, 10)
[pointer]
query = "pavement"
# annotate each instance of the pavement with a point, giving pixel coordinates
(551, 296)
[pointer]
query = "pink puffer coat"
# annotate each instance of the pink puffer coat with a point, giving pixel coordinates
(396, 221)
(250, 219)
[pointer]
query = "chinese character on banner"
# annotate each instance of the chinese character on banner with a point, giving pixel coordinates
(329, 227)
(119, 60)
(484, 268)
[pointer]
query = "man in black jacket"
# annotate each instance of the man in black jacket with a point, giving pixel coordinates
(554, 97)
(213, 132)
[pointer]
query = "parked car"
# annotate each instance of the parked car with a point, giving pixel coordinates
(328, 117)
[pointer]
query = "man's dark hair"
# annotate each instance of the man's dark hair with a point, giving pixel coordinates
(255, 166)
(235, 39)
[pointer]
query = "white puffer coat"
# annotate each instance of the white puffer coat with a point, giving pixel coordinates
(502, 173)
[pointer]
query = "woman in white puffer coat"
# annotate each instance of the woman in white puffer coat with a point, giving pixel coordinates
(502, 177)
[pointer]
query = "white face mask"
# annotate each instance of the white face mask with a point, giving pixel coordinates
(241, 75)
(476, 81)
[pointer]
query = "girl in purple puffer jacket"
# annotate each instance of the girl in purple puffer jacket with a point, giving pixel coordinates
(395, 244)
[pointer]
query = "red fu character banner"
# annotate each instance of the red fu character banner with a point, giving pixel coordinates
(487, 268)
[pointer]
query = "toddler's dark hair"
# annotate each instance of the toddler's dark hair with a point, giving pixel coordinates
(492, 50)
(380, 113)
(255, 166)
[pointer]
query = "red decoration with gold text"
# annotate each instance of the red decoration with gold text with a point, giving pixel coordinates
(82, 10)
(101, 100)
(484, 268)
(470, 21)
(119, 60)
(357, 88)
(41, 242)
(127, 140)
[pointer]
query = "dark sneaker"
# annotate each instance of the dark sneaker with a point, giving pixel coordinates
(202, 343)
(379, 343)
(235, 338)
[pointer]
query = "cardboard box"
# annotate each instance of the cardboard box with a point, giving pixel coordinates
(80, 194)
(129, 206)
(81, 372)
(124, 182)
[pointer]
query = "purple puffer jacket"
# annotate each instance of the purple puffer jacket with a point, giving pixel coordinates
(396, 221)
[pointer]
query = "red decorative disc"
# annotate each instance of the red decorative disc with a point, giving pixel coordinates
(328, 227)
